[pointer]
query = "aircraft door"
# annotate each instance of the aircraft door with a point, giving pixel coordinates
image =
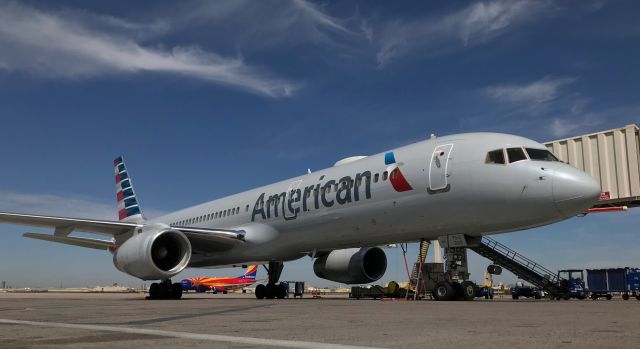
(439, 168)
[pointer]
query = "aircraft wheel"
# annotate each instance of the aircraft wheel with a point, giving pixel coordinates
(625, 296)
(281, 291)
(177, 291)
(468, 291)
(443, 291)
(163, 291)
(153, 291)
(260, 291)
(270, 291)
(608, 297)
(515, 296)
(224, 292)
(594, 297)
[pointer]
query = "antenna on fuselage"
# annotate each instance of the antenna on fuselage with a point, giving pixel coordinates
(308, 171)
(433, 136)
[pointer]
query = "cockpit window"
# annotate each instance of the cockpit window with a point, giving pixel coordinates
(516, 154)
(541, 155)
(495, 157)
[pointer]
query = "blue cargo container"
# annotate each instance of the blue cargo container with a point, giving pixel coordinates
(633, 279)
(602, 282)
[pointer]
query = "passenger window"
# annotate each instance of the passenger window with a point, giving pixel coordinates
(541, 155)
(516, 154)
(376, 177)
(495, 157)
(385, 175)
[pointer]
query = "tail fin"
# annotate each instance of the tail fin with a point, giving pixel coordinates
(251, 272)
(128, 208)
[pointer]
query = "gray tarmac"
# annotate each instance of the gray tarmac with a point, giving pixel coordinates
(48, 320)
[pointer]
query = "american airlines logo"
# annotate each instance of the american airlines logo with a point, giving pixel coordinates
(290, 203)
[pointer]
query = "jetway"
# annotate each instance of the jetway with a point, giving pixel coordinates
(612, 157)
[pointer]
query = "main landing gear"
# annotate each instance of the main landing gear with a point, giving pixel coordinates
(165, 290)
(272, 289)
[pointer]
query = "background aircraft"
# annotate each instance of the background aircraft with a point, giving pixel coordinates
(221, 284)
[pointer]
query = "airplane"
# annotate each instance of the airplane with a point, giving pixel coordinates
(221, 284)
(473, 184)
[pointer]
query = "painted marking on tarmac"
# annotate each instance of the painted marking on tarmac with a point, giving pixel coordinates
(189, 335)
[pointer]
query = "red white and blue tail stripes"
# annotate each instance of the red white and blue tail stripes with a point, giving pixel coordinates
(128, 208)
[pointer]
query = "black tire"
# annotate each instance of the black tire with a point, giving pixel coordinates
(225, 292)
(594, 296)
(153, 291)
(163, 291)
(491, 295)
(625, 296)
(458, 291)
(270, 291)
(281, 291)
(638, 297)
(486, 296)
(468, 290)
(177, 291)
(581, 297)
(515, 296)
(608, 297)
(260, 291)
(566, 297)
(443, 291)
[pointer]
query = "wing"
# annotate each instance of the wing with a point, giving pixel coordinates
(64, 226)
(202, 240)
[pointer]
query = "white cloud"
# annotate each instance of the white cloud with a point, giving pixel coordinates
(256, 25)
(64, 45)
(472, 25)
(533, 93)
(64, 206)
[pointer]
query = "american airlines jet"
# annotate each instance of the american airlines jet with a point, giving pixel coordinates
(472, 184)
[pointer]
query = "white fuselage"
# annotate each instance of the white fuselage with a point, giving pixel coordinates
(447, 187)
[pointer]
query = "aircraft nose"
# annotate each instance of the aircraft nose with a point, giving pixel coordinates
(574, 191)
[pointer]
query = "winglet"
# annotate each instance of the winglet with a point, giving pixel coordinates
(128, 207)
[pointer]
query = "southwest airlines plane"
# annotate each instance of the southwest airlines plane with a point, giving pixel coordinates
(221, 284)
(472, 184)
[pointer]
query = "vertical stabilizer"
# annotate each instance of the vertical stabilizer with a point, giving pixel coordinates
(251, 272)
(128, 207)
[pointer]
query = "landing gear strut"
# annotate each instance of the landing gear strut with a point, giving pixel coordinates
(165, 290)
(272, 289)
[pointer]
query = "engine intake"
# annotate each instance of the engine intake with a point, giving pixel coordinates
(154, 255)
(352, 266)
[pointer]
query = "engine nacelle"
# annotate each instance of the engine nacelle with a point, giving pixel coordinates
(155, 254)
(352, 266)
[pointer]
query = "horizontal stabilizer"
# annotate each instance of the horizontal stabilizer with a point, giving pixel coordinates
(82, 242)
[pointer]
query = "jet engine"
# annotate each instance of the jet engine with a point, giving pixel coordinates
(155, 254)
(352, 266)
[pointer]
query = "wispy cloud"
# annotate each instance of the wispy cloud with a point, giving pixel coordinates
(59, 205)
(475, 24)
(259, 24)
(532, 93)
(66, 45)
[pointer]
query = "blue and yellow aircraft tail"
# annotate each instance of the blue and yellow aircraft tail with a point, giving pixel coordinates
(250, 273)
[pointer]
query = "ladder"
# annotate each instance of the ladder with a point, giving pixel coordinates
(521, 266)
(416, 274)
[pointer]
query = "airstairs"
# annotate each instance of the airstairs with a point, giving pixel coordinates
(521, 266)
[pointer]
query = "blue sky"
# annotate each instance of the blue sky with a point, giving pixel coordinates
(205, 99)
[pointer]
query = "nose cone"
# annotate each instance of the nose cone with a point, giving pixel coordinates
(574, 191)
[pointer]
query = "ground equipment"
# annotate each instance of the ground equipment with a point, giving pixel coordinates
(572, 280)
(604, 282)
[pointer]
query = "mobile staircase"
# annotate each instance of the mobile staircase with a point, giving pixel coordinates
(521, 266)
